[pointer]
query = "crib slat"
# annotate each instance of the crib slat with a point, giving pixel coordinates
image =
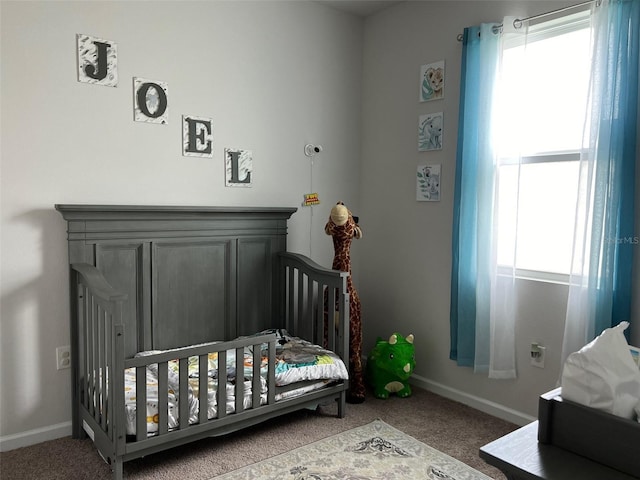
(91, 380)
(256, 384)
(308, 325)
(108, 414)
(81, 376)
(141, 403)
(163, 398)
(331, 308)
(85, 373)
(183, 399)
(103, 334)
(98, 363)
(239, 387)
(203, 387)
(343, 342)
(291, 292)
(271, 380)
(222, 384)
(319, 316)
(299, 293)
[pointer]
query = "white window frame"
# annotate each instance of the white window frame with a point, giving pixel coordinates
(544, 30)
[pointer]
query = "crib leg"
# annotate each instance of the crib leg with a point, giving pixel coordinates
(78, 434)
(342, 405)
(117, 468)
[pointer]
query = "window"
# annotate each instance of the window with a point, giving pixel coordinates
(542, 102)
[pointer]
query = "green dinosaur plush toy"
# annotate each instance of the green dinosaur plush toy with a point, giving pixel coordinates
(390, 364)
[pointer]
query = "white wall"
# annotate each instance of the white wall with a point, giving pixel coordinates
(405, 269)
(273, 76)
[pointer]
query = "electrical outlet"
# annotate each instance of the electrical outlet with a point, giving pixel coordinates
(537, 356)
(63, 357)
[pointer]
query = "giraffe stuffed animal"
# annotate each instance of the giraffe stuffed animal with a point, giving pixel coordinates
(342, 227)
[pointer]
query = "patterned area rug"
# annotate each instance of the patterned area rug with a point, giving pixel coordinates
(376, 451)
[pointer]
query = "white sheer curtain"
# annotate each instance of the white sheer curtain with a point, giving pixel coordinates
(524, 134)
(601, 277)
(509, 121)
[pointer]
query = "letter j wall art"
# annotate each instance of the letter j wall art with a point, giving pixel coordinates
(97, 61)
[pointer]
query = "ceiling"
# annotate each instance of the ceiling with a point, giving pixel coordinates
(362, 8)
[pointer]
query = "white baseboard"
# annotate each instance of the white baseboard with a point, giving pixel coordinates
(32, 437)
(486, 406)
(52, 432)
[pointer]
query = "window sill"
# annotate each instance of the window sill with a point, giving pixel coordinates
(536, 276)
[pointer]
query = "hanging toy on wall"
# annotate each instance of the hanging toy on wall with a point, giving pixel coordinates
(343, 227)
(311, 199)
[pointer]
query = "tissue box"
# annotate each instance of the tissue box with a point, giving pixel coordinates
(597, 435)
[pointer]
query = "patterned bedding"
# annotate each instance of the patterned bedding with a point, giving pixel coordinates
(297, 361)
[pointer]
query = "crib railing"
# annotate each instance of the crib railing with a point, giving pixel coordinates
(181, 356)
(100, 309)
(312, 292)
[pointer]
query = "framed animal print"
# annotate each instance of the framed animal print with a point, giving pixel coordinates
(432, 81)
(430, 129)
(428, 183)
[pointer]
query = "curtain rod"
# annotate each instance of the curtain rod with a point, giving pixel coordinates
(517, 23)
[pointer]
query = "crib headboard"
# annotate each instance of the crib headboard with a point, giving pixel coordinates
(191, 274)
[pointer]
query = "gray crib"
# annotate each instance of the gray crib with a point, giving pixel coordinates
(185, 283)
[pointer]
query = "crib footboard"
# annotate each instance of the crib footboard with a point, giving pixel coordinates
(315, 306)
(316, 302)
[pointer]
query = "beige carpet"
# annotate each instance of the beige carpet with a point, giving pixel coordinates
(375, 451)
(452, 428)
